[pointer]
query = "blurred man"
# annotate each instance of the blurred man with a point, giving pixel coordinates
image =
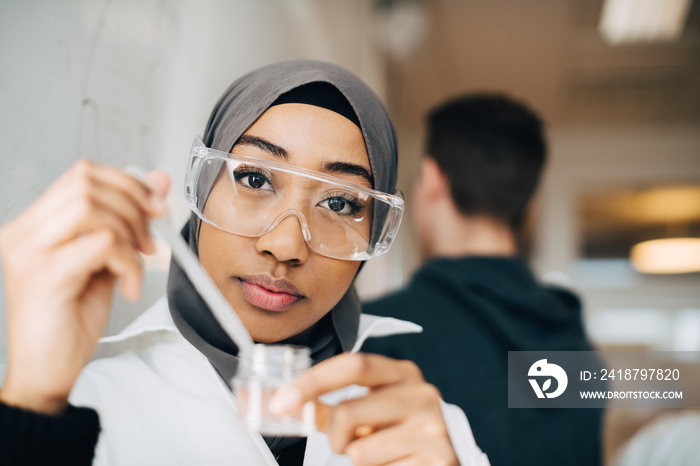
(475, 298)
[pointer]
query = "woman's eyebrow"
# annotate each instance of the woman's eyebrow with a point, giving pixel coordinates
(350, 169)
(260, 143)
(331, 167)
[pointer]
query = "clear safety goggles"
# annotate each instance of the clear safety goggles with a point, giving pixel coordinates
(250, 197)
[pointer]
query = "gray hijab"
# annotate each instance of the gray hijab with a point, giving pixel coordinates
(237, 109)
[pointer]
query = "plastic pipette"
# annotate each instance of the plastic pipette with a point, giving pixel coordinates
(162, 228)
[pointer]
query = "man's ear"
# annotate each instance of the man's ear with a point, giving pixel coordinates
(433, 182)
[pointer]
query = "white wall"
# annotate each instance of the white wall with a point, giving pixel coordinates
(584, 159)
(133, 81)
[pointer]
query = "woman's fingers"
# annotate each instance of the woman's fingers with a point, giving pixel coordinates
(100, 251)
(368, 370)
(414, 461)
(399, 422)
(87, 199)
(84, 175)
(127, 210)
(58, 307)
(396, 443)
(151, 203)
(159, 180)
(88, 214)
(82, 199)
(387, 406)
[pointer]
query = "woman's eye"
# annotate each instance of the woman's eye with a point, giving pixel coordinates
(253, 180)
(341, 206)
(336, 204)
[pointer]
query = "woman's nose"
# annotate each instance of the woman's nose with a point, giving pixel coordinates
(285, 241)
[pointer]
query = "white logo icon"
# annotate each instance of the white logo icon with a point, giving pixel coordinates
(542, 368)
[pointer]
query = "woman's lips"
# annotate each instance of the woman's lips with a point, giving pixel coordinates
(269, 294)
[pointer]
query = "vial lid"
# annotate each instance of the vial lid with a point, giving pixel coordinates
(284, 361)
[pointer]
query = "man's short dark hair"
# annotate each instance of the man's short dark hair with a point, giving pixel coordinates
(491, 148)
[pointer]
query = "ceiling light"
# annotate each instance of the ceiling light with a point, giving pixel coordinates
(402, 26)
(667, 256)
(630, 21)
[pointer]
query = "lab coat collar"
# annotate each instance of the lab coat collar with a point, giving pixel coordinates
(157, 324)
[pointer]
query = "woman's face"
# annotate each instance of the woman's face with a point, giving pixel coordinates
(276, 283)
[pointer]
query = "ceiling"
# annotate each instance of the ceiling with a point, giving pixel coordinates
(549, 54)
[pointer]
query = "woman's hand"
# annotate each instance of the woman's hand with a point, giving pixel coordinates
(61, 259)
(399, 422)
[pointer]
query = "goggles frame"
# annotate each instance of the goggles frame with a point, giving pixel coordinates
(384, 238)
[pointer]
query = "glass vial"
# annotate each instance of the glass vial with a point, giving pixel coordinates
(258, 376)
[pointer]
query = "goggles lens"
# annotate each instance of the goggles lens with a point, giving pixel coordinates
(250, 197)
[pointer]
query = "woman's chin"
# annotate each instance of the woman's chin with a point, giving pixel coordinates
(267, 326)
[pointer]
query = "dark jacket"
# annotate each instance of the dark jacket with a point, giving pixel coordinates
(29, 439)
(473, 311)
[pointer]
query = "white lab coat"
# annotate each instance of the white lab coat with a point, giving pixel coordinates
(161, 402)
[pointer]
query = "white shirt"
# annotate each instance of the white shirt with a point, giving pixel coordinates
(161, 402)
